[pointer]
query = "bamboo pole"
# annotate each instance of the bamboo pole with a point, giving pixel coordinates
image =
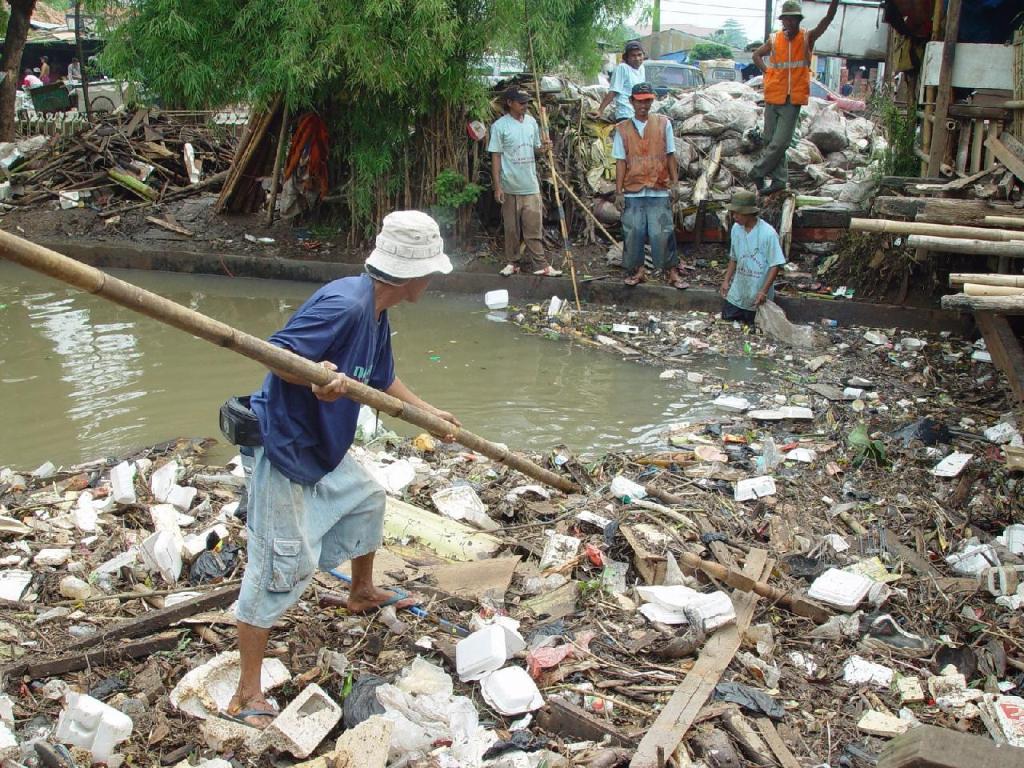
(282, 142)
(1013, 305)
(977, 144)
(938, 230)
(959, 278)
(796, 603)
(1013, 222)
(963, 147)
(786, 224)
(563, 225)
(94, 281)
(586, 210)
(1014, 249)
(977, 289)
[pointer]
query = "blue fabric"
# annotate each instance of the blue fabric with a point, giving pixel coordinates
(624, 77)
(619, 153)
(516, 141)
(755, 252)
(303, 437)
(648, 219)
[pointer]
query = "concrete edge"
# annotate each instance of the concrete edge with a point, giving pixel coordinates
(521, 288)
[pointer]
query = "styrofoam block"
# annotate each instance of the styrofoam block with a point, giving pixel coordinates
(206, 690)
(842, 589)
(305, 722)
(122, 483)
(89, 723)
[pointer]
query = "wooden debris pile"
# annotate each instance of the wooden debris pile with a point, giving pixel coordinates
(120, 162)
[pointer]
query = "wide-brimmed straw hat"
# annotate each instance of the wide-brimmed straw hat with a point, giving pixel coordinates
(409, 246)
(791, 8)
(743, 201)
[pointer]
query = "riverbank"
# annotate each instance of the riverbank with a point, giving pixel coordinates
(882, 454)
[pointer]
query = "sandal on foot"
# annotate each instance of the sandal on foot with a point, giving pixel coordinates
(397, 596)
(676, 282)
(635, 279)
(242, 716)
(509, 269)
(548, 271)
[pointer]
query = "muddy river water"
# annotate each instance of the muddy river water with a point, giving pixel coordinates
(81, 378)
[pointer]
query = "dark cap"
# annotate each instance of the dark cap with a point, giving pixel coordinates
(516, 94)
(642, 91)
(633, 45)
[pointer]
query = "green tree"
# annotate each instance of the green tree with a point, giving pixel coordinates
(379, 71)
(731, 33)
(705, 51)
(10, 63)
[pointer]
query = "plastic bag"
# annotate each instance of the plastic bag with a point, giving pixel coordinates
(827, 131)
(772, 320)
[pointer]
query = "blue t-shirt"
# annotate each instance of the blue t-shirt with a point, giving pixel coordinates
(755, 252)
(624, 77)
(303, 437)
(516, 141)
(619, 153)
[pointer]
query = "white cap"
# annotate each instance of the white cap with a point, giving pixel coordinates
(409, 246)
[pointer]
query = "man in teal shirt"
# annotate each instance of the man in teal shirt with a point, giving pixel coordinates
(515, 137)
(755, 256)
(629, 72)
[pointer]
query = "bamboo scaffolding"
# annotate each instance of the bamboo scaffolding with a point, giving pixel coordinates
(1013, 222)
(94, 281)
(977, 289)
(960, 278)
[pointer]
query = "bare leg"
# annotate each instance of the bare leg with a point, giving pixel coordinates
(363, 595)
(252, 646)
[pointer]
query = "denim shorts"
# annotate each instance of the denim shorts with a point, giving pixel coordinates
(293, 528)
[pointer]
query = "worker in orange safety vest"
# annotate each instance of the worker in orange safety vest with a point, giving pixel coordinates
(787, 85)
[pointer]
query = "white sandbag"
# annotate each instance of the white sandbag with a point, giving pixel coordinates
(772, 321)
(804, 153)
(724, 180)
(685, 153)
(858, 190)
(739, 165)
(679, 108)
(730, 115)
(827, 131)
(734, 90)
(858, 128)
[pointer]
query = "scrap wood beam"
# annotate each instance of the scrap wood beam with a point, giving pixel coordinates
(38, 668)
(690, 696)
(1005, 349)
(940, 135)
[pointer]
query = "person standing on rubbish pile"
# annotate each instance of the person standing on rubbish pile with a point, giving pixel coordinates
(628, 73)
(787, 87)
(310, 503)
(646, 178)
(755, 255)
(515, 137)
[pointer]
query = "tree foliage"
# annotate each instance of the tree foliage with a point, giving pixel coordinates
(731, 33)
(705, 51)
(377, 68)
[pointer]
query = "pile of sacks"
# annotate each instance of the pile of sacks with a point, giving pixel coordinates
(832, 155)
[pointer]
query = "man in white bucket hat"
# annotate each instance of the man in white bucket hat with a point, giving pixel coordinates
(310, 503)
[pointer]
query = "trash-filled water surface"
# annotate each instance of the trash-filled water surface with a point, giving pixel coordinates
(82, 378)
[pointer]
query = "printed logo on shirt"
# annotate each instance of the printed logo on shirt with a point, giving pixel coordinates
(361, 374)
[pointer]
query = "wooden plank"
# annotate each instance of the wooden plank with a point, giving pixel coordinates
(560, 718)
(929, 746)
(940, 136)
(1002, 153)
(155, 621)
(751, 745)
(73, 662)
(690, 696)
(1005, 349)
(776, 744)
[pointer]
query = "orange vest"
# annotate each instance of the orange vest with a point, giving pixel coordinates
(789, 70)
(645, 155)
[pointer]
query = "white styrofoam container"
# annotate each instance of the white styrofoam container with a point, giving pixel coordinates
(754, 488)
(481, 653)
(841, 589)
(732, 403)
(511, 691)
(496, 299)
(88, 723)
(122, 483)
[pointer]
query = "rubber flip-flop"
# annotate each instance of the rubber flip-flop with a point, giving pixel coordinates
(548, 271)
(509, 269)
(243, 714)
(634, 280)
(398, 596)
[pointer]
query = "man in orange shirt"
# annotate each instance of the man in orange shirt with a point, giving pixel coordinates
(787, 85)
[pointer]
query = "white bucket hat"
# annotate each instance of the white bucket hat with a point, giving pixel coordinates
(409, 246)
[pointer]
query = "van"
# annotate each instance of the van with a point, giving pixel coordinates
(671, 75)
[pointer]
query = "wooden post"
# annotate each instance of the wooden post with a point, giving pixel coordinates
(963, 147)
(994, 129)
(940, 136)
(977, 144)
(929, 93)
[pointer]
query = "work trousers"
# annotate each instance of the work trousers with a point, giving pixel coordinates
(522, 216)
(648, 220)
(779, 125)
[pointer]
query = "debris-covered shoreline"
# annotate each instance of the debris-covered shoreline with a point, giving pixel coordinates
(870, 503)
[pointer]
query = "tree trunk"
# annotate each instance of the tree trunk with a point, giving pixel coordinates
(81, 62)
(10, 63)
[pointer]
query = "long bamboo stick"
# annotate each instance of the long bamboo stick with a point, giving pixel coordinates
(983, 278)
(1014, 248)
(939, 230)
(563, 225)
(275, 176)
(584, 208)
(978, 289)
(1013, 222)
(94, 281)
